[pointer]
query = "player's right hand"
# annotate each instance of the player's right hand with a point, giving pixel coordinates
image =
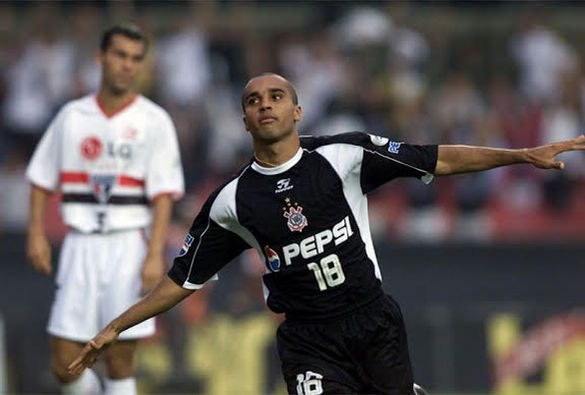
(38, 252)
(92, 350)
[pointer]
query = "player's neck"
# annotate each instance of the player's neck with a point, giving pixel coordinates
(274, 155)
(111, 103)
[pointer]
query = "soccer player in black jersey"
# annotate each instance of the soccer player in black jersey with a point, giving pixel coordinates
(301, 203)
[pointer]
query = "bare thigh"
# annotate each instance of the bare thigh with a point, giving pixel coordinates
(119, 359)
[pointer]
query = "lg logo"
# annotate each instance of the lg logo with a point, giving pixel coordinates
(123, 150)
(92, 148)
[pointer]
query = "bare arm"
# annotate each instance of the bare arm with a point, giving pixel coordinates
(453, 159)
(164, 296)
(153, 266)
(38, 249)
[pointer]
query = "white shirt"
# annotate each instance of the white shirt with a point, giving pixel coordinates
(108, 166)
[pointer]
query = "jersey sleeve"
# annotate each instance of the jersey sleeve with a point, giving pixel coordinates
(384, 160)
(373, 159)
(207, 248)
(164, 171)
(45, 165)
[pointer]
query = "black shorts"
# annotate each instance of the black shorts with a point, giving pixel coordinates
(364, 352)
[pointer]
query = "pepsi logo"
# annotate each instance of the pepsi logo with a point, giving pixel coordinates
(272, 258)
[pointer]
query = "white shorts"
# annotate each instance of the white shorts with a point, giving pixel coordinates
(99, 277)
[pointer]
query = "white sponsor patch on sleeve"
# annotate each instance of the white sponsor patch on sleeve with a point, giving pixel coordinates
(378, 140)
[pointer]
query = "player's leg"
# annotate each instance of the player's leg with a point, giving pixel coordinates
(314, 361)
(383, 353)
(73, 317)
(120, 365)
(62, 353)
(122, 288)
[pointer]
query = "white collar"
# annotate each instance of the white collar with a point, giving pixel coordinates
(269, 171)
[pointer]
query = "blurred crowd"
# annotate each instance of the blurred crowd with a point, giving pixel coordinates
(493, 73)
(501, 75)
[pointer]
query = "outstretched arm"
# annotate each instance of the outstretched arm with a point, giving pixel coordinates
(164, 296)
(453, 159)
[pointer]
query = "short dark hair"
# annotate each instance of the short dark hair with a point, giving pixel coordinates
(125, 29)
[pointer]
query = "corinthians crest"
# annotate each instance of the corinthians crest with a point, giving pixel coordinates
(294, 213)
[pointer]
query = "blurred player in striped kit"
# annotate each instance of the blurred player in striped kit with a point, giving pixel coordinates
(114, 157)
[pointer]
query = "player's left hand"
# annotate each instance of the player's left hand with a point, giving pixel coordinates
(152, 271)
(543, 156)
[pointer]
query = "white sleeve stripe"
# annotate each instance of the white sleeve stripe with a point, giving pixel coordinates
(190, 285)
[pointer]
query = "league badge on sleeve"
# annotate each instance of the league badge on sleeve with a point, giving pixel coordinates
(394, 147)
(186, 244)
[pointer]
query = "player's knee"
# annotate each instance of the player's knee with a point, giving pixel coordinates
(61, 373)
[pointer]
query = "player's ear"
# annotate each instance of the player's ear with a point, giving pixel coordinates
(298, 115)
(99, 57)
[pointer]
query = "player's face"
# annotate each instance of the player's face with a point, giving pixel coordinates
(121, 63)
(270, 114)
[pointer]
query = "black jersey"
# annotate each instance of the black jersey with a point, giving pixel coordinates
(308, 220)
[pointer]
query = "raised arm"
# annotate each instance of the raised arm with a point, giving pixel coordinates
(164, 296)
(453, 159)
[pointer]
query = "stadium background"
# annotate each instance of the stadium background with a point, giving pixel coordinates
(489, 268)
